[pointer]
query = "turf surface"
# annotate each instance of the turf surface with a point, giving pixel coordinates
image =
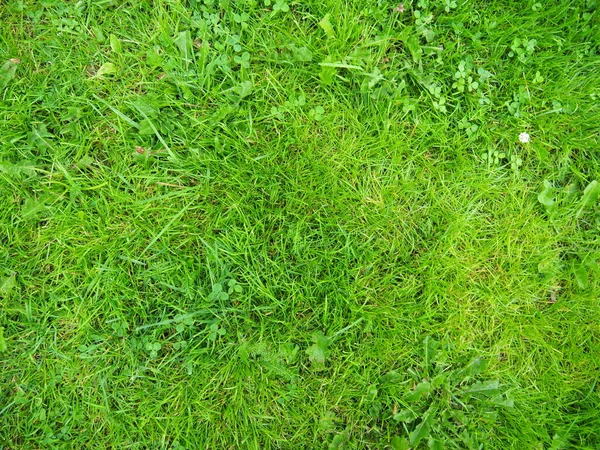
(283, 224)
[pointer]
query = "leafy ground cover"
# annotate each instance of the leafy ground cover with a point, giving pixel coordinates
(284, 224)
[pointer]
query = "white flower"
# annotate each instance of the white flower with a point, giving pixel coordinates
(524, 137)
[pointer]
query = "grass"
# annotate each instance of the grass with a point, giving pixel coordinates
(289, 224)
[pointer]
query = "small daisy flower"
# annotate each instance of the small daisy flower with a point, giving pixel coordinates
(524, 138)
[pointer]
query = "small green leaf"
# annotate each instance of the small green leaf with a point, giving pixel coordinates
(338, 441)
(327, 73)
(484, 388)
(431, 348)
(153, 57)
(559, 442)
(546, 197)
(3, 346)
(106, 69)
(439, 380)
(7, 73)
(475, 367)
(391, 377)
(399, 443)
(591, 263)
(405, 415)
(184, 43)
(281, 5)
(371, 393)
(289, 352)
(98, 34)
(503, 400)
(244, 89)
(115, 44)
(32, 208)
(422, 430)
(590, 194)
(420, 390)
(542, 153)
(319, 351)
(581, 275)
(8, 285)
(436, 444)
(146, 128)
(148, 105)
(327, 421)
(414, 47)
(325, 24)
(302, 54)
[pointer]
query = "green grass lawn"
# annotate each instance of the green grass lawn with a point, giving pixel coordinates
(280, 224)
